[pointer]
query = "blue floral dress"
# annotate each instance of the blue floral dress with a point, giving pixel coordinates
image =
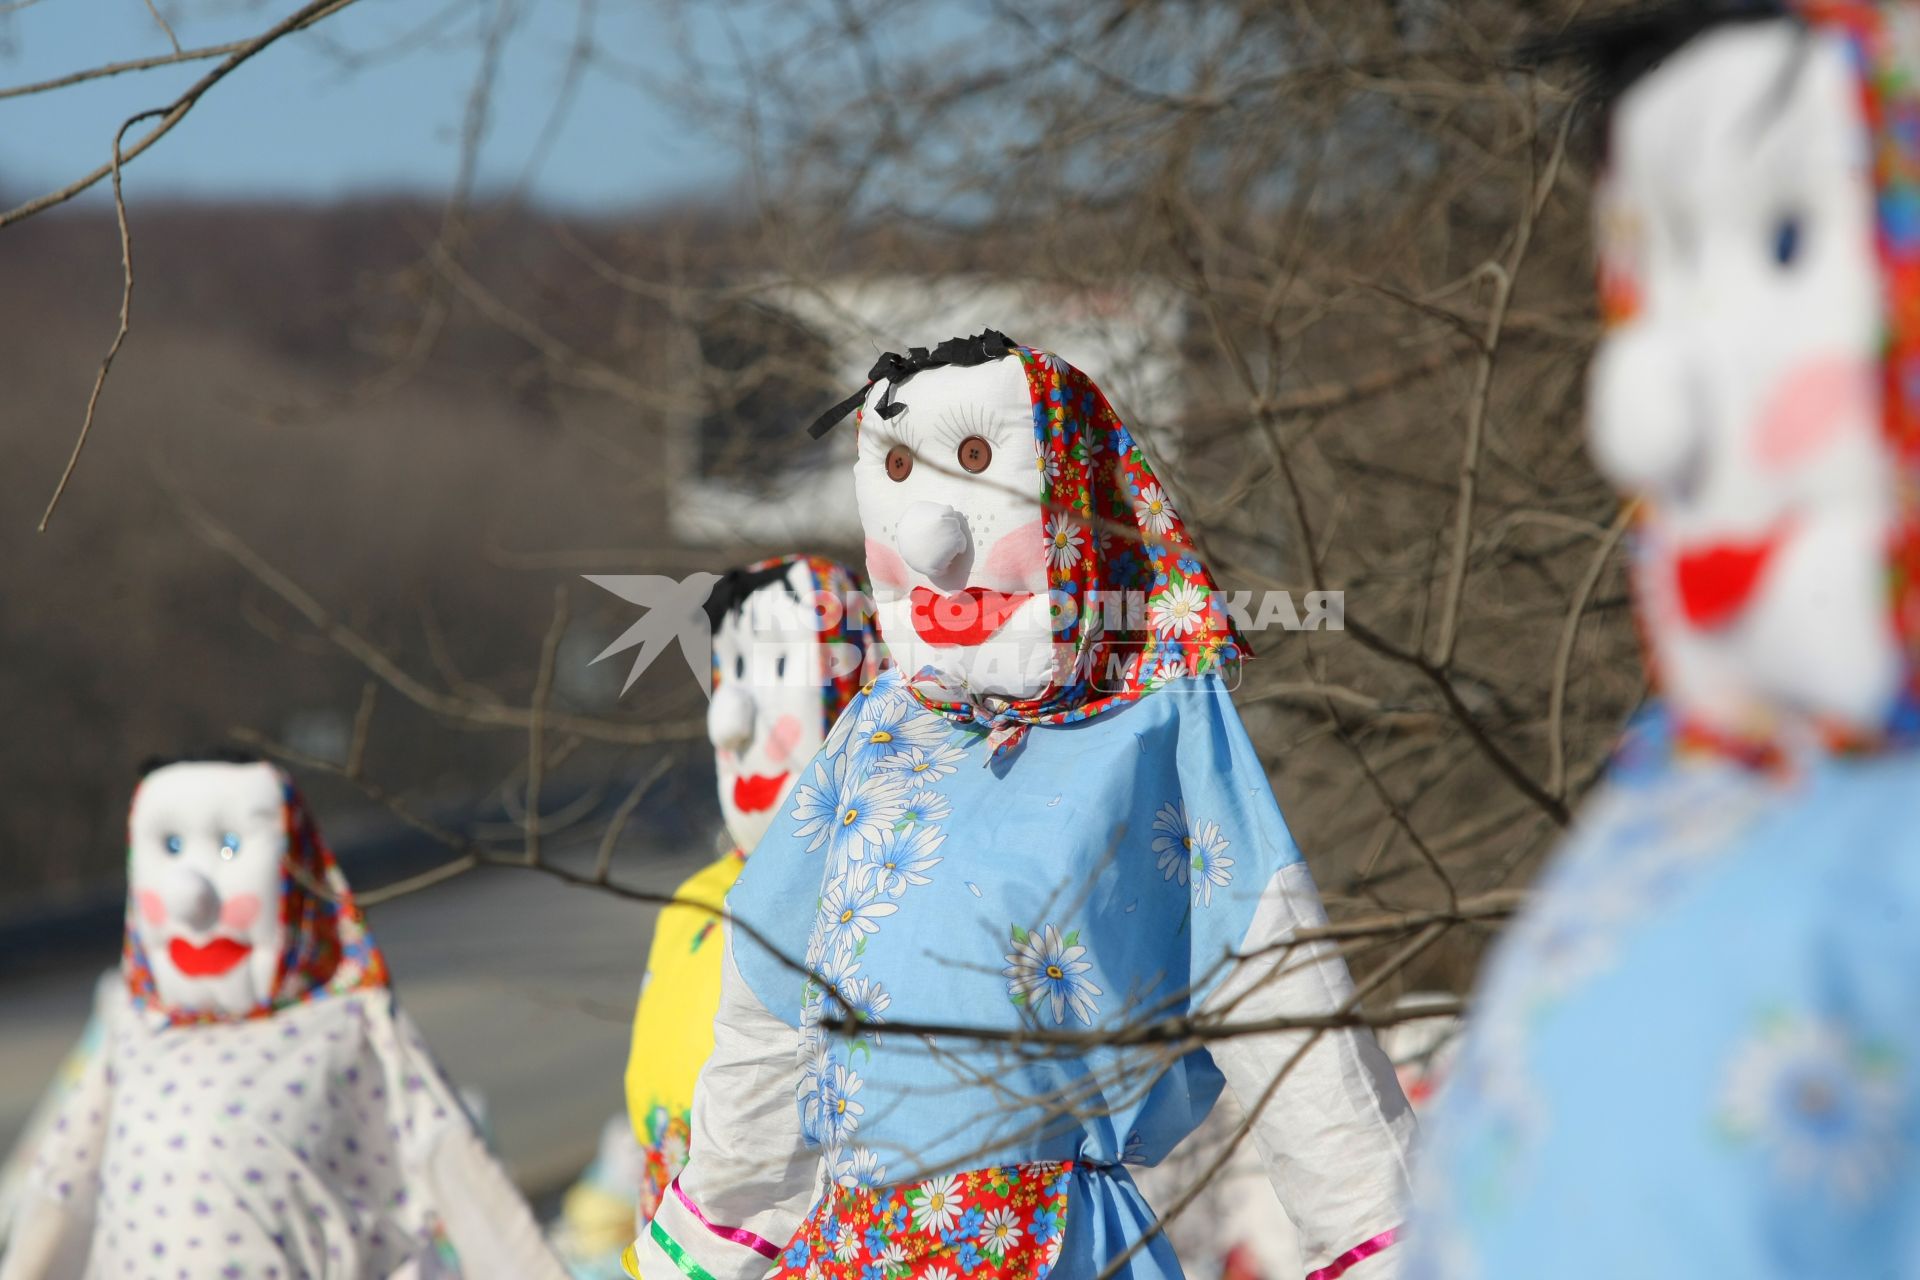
(1698, 1052)
(1115, 872)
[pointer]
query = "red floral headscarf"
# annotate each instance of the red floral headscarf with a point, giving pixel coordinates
(327, 950)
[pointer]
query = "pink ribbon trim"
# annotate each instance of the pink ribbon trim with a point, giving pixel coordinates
(1359, 1253)
(740, 1235)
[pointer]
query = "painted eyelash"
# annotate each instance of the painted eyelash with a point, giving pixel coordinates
(954, 425)
(961, 421)
(878, 434)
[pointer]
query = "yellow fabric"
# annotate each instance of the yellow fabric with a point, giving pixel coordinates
(673, 1026)
(597, 1223)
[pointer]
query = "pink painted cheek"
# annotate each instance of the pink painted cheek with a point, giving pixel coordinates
(240, 911)
(152, 909)
(782, 737)
(885, 567)
(1018, 559)
(1811, 407)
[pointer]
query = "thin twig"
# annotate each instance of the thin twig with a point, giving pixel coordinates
(121, 68)
(171, 115)
(119, 334)
(495, 715)
(1481, 398)
(603, 859)
(542, 691)
(362, 725)
(1563, 656)
(158, 17)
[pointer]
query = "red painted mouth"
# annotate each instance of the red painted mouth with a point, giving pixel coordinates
(209, 961)
(966, 617)
(1717, 581)
(755, 793)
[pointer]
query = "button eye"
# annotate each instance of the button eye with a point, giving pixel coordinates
(740, 666)
(172, 844)
(975, 454)
(899, 463)
(229, 845)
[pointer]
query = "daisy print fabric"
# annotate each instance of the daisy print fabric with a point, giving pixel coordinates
(924, 906)
(1010, 1222)
(1115, 872)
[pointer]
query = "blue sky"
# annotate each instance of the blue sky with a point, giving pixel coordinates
(299, 121)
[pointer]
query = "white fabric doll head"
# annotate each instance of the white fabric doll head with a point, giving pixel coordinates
(792, 639)
(955, 529)
(1027, 566)
(1755, 386)
(235, 907)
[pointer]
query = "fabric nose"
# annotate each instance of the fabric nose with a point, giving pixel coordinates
(730, 718)
(1647, 412)
(932, 537)
(191, 899)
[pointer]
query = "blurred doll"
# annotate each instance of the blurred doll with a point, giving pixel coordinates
(793, 639)
(1046, 820)
(784, 666)
(596, 1213)
(1698, 1051)
(257, 1106)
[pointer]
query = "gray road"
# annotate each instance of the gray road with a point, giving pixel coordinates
(524, 987)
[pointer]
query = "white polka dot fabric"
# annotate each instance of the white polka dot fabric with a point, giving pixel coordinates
(304, 1146)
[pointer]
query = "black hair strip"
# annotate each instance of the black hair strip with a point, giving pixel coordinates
(1617, 49)
(988, 344)
(736, 585)
(204, 755)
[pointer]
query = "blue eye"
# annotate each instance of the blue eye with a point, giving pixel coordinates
(229, 845)
(780, 667)
(172, 844)
(1786, 241)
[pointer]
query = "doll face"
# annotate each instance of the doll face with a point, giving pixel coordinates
(1737, 391)
(764, 719)
(209, 844)
(955, 531)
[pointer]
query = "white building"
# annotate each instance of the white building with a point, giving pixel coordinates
(1128, 336)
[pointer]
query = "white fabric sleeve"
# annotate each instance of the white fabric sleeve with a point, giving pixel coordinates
(47, 1241)
(50, 1220)
(1334, 1135)
(750, 1177)
(485, 1218)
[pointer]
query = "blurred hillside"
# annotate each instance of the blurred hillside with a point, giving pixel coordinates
(431, 504)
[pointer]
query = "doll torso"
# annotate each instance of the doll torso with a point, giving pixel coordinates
(1697, 1052)
(1101, 878)
(262, 1150)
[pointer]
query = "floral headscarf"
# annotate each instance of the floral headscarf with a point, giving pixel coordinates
(1135, 605)
(327, 950)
